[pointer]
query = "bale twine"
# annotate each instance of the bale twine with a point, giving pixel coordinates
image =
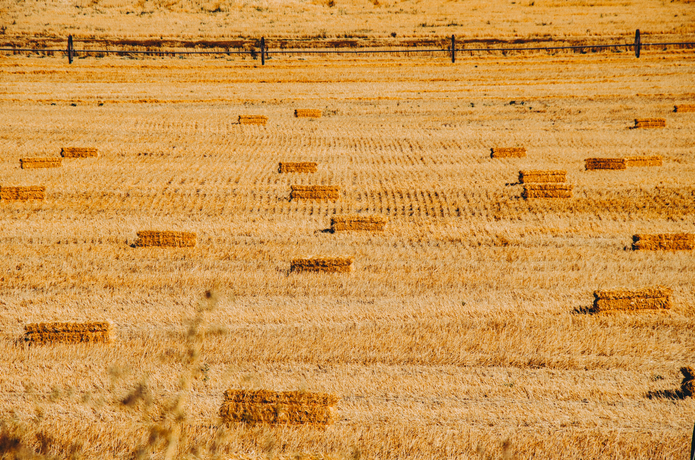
(664, 242)
(360, 223)
(547, 191)
(322, 264)
(507, 152)
(684, 108)
(605, 163)
(315, 192)
(79, 152)
(535, 176)
(303, 167)
(44, 333)
(307, 113)
(277, 408)
(22, 193)
(650, 122)
(33, 163)
(655, 298)
(655, 160)
(253, 119)
(153, 238)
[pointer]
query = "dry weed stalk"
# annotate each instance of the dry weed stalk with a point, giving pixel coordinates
(656, 298)
(300, 167)
(79, 152)
(171, 239)
(664, 242)
(507, 152)
(22, 193)
(45, 333)
(34, 163)
(277, 408)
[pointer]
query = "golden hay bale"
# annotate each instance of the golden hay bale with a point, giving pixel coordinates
(656, 298)
(79, 152)
(650, 122)
(307, 113)
(22, 193)
(277, 408)
(684, 108)
(547, 191)
(605, 163)
(303, 167)
(366, 223)
(655, 160)
(542, 176)
(32, 163)
(664, 242)
(508, 152)
(315, 192)
(324, 264)
(253, 119)
(166, 239)
(43, 333)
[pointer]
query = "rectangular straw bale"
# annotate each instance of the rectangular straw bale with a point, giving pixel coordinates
(650, 122)
(547, 191)
(327, 265)
(277, 408)
(22, 193)
(508, 152)
(315, 192)
(655, 160)
(656, 298)
(253, 119)
(684, 108)
(542, 176)
(307, 113)
(366, 223)
(605, 163)
(32, 163)
(79, 152)
(166, 239)
(302, 167)
(43, 333)
(664, 242)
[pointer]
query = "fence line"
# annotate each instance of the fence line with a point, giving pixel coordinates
(265, 52)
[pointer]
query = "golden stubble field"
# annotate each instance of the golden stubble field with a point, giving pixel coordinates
(460, 333)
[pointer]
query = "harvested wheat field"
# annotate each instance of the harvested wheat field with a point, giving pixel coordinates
(465, 328)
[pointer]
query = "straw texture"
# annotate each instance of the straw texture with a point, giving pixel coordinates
(655, 160)
(547, 191)
(44, 333)
(169, 239)
(307, 113)
(650, 122)
(363, 223)
(303, 167)
(277, 408)
(253, 119)
(508, 152)
(535, 176)
(656, 298)
(22, 193)
(33, 163)
(79, 152)
(684, 108)
(605, 163)
(324, 264)
(664, 242)
(315, 192)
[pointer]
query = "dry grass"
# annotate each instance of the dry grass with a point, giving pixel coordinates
(22, 192)
(508, 152)
(664, 242)
(277, 408)
(658, 298)
(35, 163)
(47, 333)
(79, 152)
(171, 239)
(301, 167)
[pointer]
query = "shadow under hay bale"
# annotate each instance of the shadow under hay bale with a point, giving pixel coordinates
(687, 389)
(547, 191)
(79, 152)
(358, 223)
(314, 192)
(657, 298)
(684, 108)
(35, 163)
(307, 113)
(301, 167)
(22, 193)
(507, 152)
(322, 264)
(633, 162)
(605, 163)
(253, 119)
(169, 239)
(649, 123)
(277, 408)
(535, 176)
(664, 242)
(44, 333)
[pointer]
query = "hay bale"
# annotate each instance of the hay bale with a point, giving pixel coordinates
(79, 152)
(277, 408)
(302, 167)
(22, 193)
(655, 160)
(656, 298)
(684, 108)
(307, 113)
(605, 163)
(253, 119)
(364, 223)
(44, 333)
(664, 242)
(315, 192)
(507, 152)
(650, 122)
(33, 163)
(325, 264)
(547, 191)
(526, 177)
(168, 239)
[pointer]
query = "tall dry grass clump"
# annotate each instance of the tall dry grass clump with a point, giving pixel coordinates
(300, 167)
(277, 408)
(44, 333)
(656, 298)
(314, 192)
(654, 160)
(171, 239)
(684, 108)
(664, 242)
(536, 176)
(22, 193)
(507, 152)
(253, 119)
(307, 113)
(358, 223)
(322, 264)
(547, 191)
(34, 163)
(650, 123)
(605, 163)
(79, 152)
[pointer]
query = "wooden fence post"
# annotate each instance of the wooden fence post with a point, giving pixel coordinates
(70, 49)
(262, 50)
(638, 44)
(453, 49)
